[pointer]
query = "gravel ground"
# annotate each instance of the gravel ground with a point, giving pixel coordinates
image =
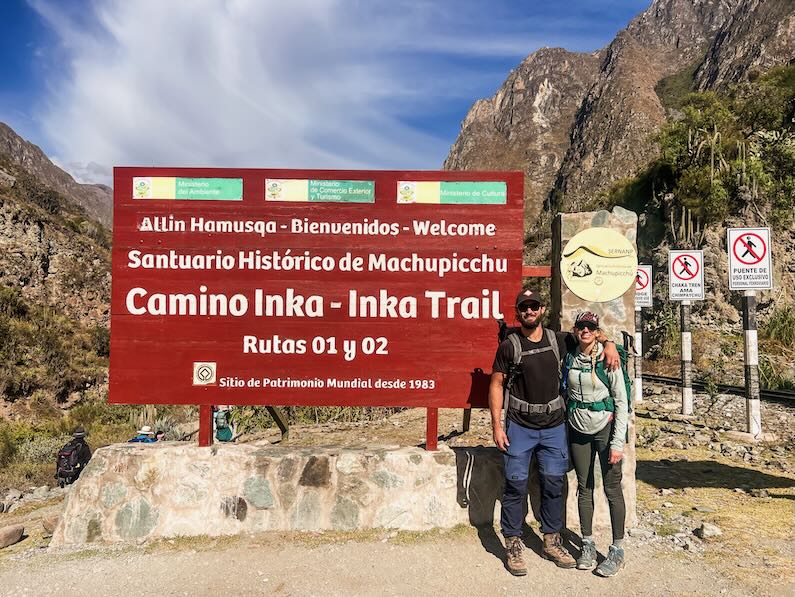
(460, 561)
(458, 565)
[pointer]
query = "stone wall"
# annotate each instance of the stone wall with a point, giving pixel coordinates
(132, 493)
(135, 492)
(615, 317)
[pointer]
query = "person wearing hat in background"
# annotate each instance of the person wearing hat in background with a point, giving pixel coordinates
(598, 418)
(145, 436)
(535, 424)
(72, 458)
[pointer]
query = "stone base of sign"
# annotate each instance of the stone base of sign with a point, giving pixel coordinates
(616, 318)
(131, 493)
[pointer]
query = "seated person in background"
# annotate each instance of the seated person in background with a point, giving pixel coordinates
(145, 435)
(222, 421)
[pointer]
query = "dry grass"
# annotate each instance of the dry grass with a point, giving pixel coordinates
(758, 533)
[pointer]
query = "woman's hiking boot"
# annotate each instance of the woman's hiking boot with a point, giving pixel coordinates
(514, 556)
(587, 557)
(612, 563)
(554, 550)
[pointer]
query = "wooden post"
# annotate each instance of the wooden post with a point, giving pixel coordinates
(467, 419)
(432, 429)
(205, 425)
(281, 421)
(687, 358)
(638, 398)
(752, 404)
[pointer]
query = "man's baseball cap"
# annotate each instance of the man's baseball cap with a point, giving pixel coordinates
(527, 295)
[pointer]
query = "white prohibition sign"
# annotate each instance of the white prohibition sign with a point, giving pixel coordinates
(641, 280)
(751, 246)
(688, 267)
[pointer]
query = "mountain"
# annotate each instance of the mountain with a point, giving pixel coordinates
(54, 279)
(96, 200)
(577, 123)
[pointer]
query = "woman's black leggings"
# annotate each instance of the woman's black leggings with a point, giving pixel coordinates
(584, 448)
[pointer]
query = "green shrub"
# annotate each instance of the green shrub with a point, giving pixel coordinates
(100, 340)
(40, 449)
(780, 327)
(773, 377)
(7, 444)
(11, 302)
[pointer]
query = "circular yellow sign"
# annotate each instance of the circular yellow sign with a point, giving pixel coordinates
(599, 264)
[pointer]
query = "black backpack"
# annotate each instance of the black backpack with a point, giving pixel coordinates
(71, 461)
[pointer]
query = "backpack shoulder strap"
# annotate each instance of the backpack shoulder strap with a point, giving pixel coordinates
(601, 373)
(517, 348)
(553, 342)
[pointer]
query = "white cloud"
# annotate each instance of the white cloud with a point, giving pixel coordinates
(260, 83)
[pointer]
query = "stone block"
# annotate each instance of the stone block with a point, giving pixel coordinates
(257, 491)
(316, 472)
(10, 535)
(136, 519)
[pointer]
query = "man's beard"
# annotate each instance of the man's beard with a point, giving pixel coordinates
(530, 325)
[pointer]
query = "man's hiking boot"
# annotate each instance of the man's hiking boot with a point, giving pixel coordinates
(587, 557)
(553, 550)
(612, 563)
(514, 557)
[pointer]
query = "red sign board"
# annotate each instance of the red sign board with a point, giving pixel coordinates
(287, 287)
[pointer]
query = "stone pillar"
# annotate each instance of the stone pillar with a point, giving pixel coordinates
(615, 317)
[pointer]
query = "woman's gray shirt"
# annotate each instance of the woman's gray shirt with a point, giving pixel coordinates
(585, 387)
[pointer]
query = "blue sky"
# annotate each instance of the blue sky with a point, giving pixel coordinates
(269, 83)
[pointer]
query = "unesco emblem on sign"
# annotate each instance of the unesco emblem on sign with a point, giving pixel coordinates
(203, 374)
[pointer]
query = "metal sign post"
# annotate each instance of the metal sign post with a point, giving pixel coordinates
(753, 418)
(750, 269)
(643, 298)
(686, 283)
(687, 358)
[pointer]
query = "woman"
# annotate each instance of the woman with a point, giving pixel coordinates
(597, 418)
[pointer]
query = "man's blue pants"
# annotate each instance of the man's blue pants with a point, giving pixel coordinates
(552, 451)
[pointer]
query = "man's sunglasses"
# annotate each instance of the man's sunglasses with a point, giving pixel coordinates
(532, 306)
(586, 325)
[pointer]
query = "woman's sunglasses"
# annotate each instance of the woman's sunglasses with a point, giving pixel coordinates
(586, 325)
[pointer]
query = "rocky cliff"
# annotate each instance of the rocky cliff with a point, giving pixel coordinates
(96, 200)
(54, 282)
(526, 125)
(599, 111)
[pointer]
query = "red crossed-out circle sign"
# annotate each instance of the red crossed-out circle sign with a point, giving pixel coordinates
(749, 248)
(641, 280)
(685, 267)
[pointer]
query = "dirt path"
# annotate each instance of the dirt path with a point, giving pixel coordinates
(455, 563)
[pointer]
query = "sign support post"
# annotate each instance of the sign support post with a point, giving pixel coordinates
(432, 429)
(205, 425)
(687, 359)
(638, 354)
(750, 269)
(643, 298)
(753, 408)
(686, 284)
